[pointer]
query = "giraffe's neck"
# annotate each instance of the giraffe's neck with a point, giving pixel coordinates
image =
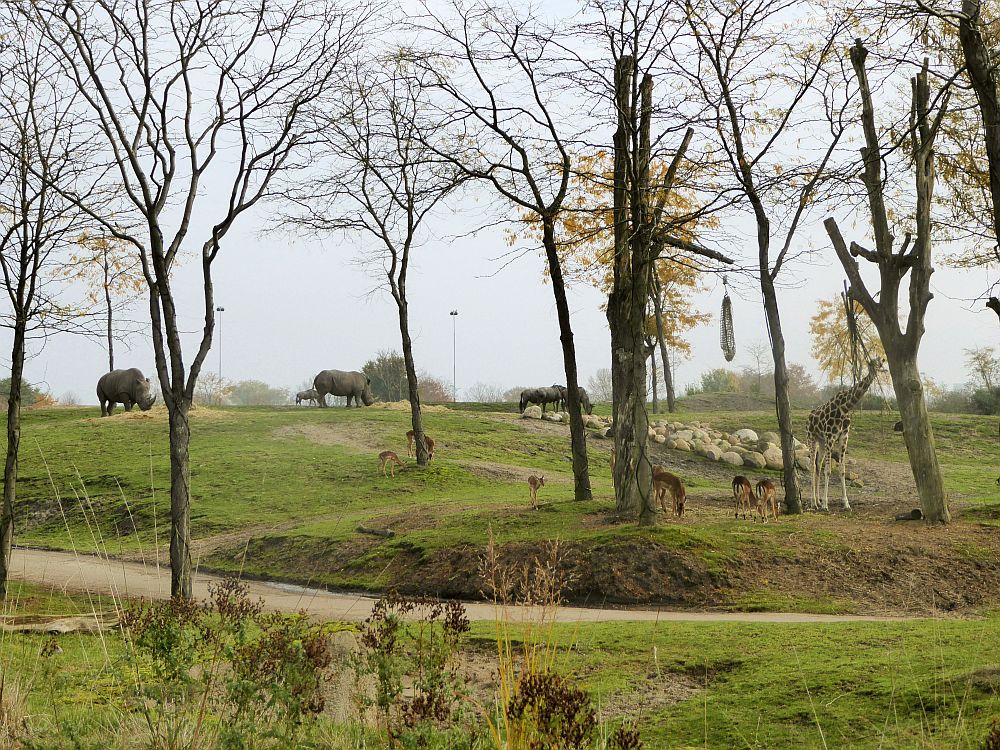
(855, 394)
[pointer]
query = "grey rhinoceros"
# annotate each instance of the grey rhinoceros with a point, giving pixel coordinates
(126, 387)
(354, 385)
(310, 396)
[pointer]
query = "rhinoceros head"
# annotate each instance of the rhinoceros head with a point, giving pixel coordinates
(145, 398)
(366, 394)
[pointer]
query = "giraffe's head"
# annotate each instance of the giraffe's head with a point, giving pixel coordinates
(876, 366)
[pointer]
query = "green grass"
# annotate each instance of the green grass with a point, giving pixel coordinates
(299, 482)
(921, 684)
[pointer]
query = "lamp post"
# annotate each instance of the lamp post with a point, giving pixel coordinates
(220, 310)
(454, 359)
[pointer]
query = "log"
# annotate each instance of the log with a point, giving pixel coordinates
(376, 532)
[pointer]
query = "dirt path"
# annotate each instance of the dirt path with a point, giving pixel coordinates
(67, 571)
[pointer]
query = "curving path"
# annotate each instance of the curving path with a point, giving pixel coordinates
(98, 575)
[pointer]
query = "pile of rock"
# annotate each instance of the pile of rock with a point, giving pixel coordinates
(740, 448)
(593, 422)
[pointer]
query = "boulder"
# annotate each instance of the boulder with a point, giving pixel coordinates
(802, 460)
(712, 452)
(773, 458)
(681, 444)
(660, 438)
(532, 412)
(770, 437)
(755, 459)
(764, 446)
(661, 431)
(732, 458)
(686, 435)
(670, 442)
(725, 445)
(746, 435)
(593, 423)
(603, 433)
(552, 417)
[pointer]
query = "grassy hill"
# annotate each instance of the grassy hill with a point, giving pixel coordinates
(280, 492)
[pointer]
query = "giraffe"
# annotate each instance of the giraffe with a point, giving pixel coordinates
(829, 427)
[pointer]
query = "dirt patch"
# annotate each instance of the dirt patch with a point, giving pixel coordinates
(506, 473)
(404, 405)
(333, 433)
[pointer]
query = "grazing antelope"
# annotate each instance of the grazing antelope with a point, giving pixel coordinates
(533, 484)
(391, 459)
(766, 497)
(428, 442)
(742, 492)
(663, 482)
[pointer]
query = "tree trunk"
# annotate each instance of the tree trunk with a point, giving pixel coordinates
(416, 417)
(668, 376)
(981, 72)
(107, 302)
(652, 373)
(180, 497)
(577, 432)
(918, 435)
(793, 501)
(13, 448)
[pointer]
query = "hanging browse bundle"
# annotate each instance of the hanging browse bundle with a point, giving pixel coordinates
(727, 338)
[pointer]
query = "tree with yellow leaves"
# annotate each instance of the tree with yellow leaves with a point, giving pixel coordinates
(832, 347)
(113, 277)
(585, 232)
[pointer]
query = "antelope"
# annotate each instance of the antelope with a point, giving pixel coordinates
(766, 497)
(742, 492)
(391, 459)
(428, 442)
(663, 482)
(533, 484)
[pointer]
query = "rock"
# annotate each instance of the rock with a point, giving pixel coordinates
(746, 435)
(732, 458)
(725, 445)
(712, 452)
(700, 434)
(770, 437)
(802, 460)
(852, 476)
(755, 459)
(593, 423)
(603, 434)
(773, 458)
(660, 423)
(685, 435)
(796, 443)
(660, 439)
(857, 483)
(670, 443)
(661, 431)
(532, 412)
(681, 444)
(552, 417)
(651, 433)
(764, 446)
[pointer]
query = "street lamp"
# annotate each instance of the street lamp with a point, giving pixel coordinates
(220, 310)
(454, 359)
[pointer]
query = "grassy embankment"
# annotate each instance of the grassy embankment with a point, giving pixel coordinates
(290, 486)
(922, 684)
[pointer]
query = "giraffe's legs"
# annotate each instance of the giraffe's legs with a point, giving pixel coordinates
(814, 469)
(827, 468)
(843, 472)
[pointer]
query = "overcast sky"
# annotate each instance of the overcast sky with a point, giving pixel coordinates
(295, 305)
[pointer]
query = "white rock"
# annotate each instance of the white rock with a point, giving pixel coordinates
(681, 444)
(773, 458)
(685, 435)
(670, 442)
(660, 439)
(755, 459)
(532, 412)
(552, 417)
(746, 435)
(731, 458)
(770, 437)
(713, 453)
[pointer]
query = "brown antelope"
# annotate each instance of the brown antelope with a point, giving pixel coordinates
(742, 492)
(663, 482)
(766, 497)
(533, 484)
(391, 459)
(428, 442)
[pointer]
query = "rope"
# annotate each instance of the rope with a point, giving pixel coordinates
(727, 337)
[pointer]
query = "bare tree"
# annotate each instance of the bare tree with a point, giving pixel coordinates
(497, 74)
(201, 105)
(901, 343)
(44, 150)
(746, 49)
(380, 179)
